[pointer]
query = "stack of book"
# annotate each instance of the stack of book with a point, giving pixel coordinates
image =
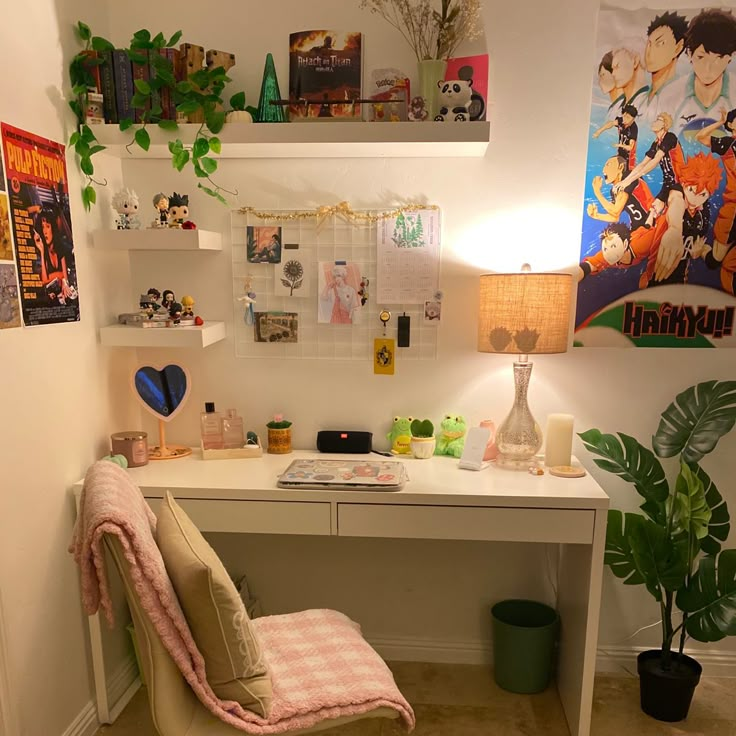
(115, 81)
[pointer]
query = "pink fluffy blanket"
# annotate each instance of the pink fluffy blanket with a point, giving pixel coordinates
(320, 665)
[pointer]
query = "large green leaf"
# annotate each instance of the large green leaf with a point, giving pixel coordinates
(720, 520)
(659, 559)
(710, 599)
(634, 463)
(694, 422)
(691, 512)
(619, 556)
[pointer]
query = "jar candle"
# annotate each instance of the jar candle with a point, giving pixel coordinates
(558, 443)
(133, 445)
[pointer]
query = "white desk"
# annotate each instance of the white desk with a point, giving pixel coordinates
(440, 501)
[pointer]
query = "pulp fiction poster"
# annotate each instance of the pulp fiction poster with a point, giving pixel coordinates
(657, 258)
(38, 193)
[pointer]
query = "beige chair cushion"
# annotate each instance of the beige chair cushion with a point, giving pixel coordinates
(215, 612)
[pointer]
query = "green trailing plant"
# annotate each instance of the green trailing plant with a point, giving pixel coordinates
(237, 103)
(199, 93)
(674, 547)
(422, 428)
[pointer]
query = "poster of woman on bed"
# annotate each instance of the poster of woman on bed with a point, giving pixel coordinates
(657, 259)
(38, 192)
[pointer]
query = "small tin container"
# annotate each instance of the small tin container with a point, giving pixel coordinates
(133, 444)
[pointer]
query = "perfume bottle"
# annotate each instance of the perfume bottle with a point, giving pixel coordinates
(232, 430)
(210, 422)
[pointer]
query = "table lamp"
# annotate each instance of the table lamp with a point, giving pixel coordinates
(522, 313)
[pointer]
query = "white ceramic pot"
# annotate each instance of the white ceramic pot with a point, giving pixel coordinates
(422, 447)
(238, 116)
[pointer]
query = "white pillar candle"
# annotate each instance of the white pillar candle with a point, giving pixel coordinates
(558, 444)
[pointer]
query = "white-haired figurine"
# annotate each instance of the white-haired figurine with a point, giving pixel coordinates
(125, 203)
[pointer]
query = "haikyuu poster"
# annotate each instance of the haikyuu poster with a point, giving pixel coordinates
(657, 257)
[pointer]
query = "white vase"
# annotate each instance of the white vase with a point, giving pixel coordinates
(422, 447)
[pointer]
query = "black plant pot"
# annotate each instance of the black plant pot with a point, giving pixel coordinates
(666, 694)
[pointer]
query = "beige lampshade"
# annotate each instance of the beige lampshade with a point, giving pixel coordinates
(524, 313)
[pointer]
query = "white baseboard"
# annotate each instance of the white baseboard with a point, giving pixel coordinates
(622, 660)
(410, 649)
(611, 659)
(85, 724)
(122, 687)
(119, 683)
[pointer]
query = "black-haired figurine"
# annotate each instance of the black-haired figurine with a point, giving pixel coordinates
(179, 212)
(161, 204)
(150, 300)
(168, 299)
(175, 310)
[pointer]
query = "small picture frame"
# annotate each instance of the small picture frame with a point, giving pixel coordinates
(280, 327)
(340, 301)
(263, 244)
(432, 310)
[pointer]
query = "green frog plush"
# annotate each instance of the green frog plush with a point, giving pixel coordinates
(451, 439)
(400, 436)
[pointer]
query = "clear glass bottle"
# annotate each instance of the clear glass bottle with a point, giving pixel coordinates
(232, 430)
(519, 438)
(210, 422)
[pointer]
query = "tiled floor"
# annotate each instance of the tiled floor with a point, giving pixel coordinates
(463, 700)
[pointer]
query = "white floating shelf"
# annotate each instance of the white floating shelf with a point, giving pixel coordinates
(317, 140)
(163, 337)
(157, 239)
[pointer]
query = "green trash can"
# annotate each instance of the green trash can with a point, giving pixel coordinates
(524, 645)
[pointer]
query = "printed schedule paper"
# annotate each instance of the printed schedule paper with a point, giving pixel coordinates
(409, 257)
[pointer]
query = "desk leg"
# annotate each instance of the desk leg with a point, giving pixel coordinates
(579, 602)
(98, 668)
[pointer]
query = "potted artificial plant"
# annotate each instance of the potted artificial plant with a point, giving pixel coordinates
(279, 435)
(422, 441)
(674, 546)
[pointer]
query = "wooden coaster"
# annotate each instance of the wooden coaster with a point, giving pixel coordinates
(567, 471)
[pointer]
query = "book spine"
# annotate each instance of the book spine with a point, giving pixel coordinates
(124, 89)
(173, 55)
(107, 81)
(141, 71)
(155, 93)
(94, 70)
(165, 93)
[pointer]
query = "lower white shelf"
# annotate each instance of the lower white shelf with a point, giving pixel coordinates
(126, 336)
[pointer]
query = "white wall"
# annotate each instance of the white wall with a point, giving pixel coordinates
(521, 202)
(58, 404)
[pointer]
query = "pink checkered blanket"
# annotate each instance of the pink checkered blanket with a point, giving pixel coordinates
(320, 665)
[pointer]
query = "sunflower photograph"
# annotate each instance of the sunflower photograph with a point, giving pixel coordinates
(290, 278)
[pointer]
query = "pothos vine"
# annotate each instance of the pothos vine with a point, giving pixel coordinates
(200, 92)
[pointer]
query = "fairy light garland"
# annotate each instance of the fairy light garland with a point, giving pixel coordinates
(342, 209)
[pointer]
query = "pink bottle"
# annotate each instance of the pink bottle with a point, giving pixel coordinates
(491, 452)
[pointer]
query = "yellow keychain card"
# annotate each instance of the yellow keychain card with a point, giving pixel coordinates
(384, 356)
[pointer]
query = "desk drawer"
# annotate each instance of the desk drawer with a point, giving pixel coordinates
(255, 517)
(466, 522)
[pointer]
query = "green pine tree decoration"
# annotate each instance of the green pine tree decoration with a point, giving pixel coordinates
(419, 232)
(268, 113)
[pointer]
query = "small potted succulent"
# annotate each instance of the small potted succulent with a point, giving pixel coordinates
(279, 435)
(422, 441)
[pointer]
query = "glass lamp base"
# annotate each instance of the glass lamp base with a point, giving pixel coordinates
(519, 437)
(515, 463)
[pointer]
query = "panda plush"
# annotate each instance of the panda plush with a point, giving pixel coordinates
(454, 100)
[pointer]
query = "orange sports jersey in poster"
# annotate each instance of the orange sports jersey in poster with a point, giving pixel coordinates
(657, 266)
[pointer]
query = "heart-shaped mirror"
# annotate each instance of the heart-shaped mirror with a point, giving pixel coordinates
(162, 391)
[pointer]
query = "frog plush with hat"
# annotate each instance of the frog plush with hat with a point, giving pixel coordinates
(400, 436)
(451, 439)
